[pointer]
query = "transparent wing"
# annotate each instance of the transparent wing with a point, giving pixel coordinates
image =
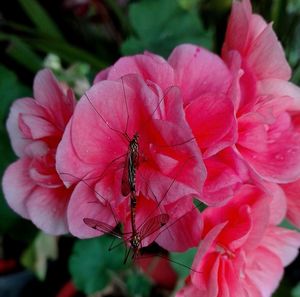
(153, 224)
(102, 227)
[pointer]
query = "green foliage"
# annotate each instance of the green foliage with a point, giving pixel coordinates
(200, 205)
(138, 285)
(296, 291)
(161, 25)
(93, 266)
(40, 18)
(182, 262)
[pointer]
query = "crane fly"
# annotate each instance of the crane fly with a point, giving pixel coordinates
(134, 238)
(132, 126)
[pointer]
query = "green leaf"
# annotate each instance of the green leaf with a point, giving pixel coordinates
(286, 224)
(24, 55)
(41, 19)
(67, 52)
(10, 89)
(182, 262)
(160, 25)
(92, 265)
(200, 205)
(138, 285)
(296, 291)
(36, 256)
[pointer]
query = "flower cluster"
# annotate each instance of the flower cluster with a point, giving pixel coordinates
(223, 130)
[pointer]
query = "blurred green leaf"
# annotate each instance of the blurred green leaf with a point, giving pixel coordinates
(161, 25)
(39, 252)
(296, 291)
(182, 262)
(10, 89)
(200, 205)
(67, 52)
(41, 19)
(286, 224)
(23, 54)
(92, 265)
(138, 285)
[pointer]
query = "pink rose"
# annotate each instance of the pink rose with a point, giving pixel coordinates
(31, 185)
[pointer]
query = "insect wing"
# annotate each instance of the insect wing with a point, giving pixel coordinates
(153, 224)
(102, 227)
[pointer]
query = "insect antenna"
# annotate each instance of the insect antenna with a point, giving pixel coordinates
(104, 121)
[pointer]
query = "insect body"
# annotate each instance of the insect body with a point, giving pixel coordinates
(134, 238)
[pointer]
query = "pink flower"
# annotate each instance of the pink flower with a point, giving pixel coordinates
(204, 82)
(31, 185)
(241, 254)
(268, 139)
(170, 165)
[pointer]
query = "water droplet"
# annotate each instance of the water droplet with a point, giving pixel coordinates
(279, 157)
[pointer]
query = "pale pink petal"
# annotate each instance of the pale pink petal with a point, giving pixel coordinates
(280, 160)
(85, 203)
(69, 166)
(37, 127)
(17, 186)
(198, 72)
(282, 89)
(47, 209)
(25, 106)
(292, 192)
(278, 203)
(265, 270)
(266, 57)
(283, 243)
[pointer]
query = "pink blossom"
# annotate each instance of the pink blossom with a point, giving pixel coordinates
(170, 165)
(204, 82)
(31, 185)
(241, 254)
(268, 139)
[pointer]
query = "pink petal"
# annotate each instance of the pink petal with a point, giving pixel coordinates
(264, 269)
(237, 30)
(69, 166)
(278, 203)
(211, 118)
(17, 186)
(198, 72)
(47, 209)
(84, 203)
(148, 66)
(183, 231)
(282, 89)
(266, 57)
(25, 106)
(50, 95)
(278, 162)
(292, 191)
(283, 243)
(226, 173)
